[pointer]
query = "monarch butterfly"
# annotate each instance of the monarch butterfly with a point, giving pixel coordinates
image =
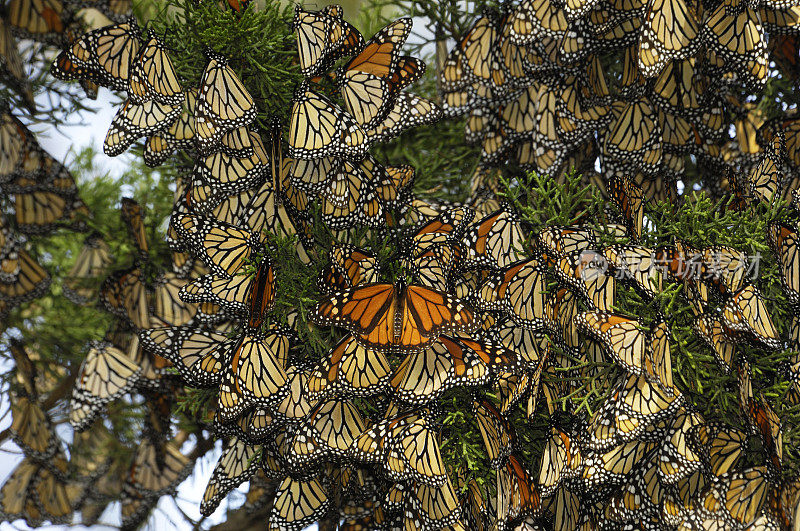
(223, 248)
(643, 492)
(518, 497)
(11, 67)
(123, 294)
(224, 173)
(452, 76)
(134, 121)
(636, 264)
(243, 294)
(349, 370)
(135, 506)
(297, 404)
(677, 459)
(267, 213)
(310, 175)
(318, 128)
(92, 261)
(104, 56)
(28, 280)
(178, 135)
(406, 449)
(499, 437)
(298, 503)
(116, 10)
(133, 216)
(41, 211)
(434, 267)
(253, 426)
(496, 141)
(223, 102)
(37, 171)
(558, 242)
(460, 102)
(678, 136)
(409, 111)
(602, 432)
(32, 429)
(520, 289)
(239, 142)
(530, 347)
(725, 268)
(478, 123)
(766, 423)
(329, 430)
(638, 404)
(635, 136)
(669, 32)
(562, 460)
(395, 317)
(349, 267)
(725, 30)
(432, 507)
(766, 178)
(725, 447)
(586, 274)
(231, 209)
(658, 359)
(106, 374)
(472, 504)
(151, 475)
(747, 132)
(34, 494)
(198, 355)
(153, 76)
(494, 241)
(477, 49)
(167, 305)
(615, 465)
(576, 120)
(447, 227)
(783, 239)
(237, 463)
(38, 20)
(366, 80)
(536, 115)
(531, 20)
(746, 312)
(560, 312)
(739, 495)
(349, 198)
(423, 376)
(323, 37)
(628, 198)
(623, 338)
(255, 373)
(14, 138)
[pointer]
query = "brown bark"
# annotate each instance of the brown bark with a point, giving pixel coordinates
(245, 519)
(242, 520)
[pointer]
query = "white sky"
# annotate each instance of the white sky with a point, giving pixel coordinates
(61, 143)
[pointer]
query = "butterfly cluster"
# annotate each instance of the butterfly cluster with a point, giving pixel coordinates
(39, 196)
(381, 361)
(52, 23)
(329, 143)
(536, 85)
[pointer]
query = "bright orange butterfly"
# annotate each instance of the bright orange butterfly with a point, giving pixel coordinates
(395, 318)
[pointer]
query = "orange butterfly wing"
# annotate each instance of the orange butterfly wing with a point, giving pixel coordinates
(361, 309)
